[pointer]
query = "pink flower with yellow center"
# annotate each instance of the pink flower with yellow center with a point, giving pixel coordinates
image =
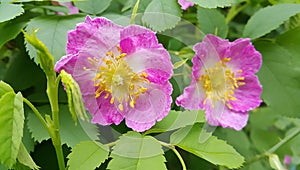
(122, 72)
(224, 81)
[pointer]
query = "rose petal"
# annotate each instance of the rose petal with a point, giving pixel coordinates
(248, 95)
(153, 106)
(185, 4)
(96, 36)
(145, 53)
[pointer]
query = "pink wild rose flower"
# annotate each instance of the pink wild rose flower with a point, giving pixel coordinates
(185, 4)
(224, 83)
(122, 72)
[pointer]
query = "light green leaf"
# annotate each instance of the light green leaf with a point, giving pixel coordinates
(76, 105)
(268, 19)
(179, 63)
(45, 59)
(93, 6)
(12, 28)
(177, 119)
(212, 21)
(70, 134)
(5, 88)
(279, 76)
(11, 131)
(213, 3)
(25, 158)
(137, 152)
(275, 162)
(213, 150)
(53, 33)
(10, 11)
(87, 155)
(161, 15)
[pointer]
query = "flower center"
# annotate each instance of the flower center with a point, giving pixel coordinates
(220, 82)
(118, 80)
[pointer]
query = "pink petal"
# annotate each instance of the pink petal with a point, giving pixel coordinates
(153, 106)
(185, 4)
(244, 57)
(103, 112)
(210, 51)
(72, 9)
(220, 115)
(192, 97)
(145, 53)
(95, 36)
(248, 95)
(66, 63)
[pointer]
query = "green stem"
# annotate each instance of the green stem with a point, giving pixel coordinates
(111, 144)
(173, 148)
(36, 112)
(283, 141)
(52, 91)
(234, 10)
(134, 11)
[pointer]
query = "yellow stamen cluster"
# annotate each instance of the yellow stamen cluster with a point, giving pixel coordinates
(220, 82)
(118, 81)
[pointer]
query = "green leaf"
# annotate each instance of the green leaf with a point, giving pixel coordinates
(70, 134)
(275, 162)
(93, 6)
(10, 11)
(268, 19)
(25, 158)
(212, 21)
(161, 15)
(280, 79)
(213, 3)
(76, 105)
(12, 28)
(179, 63)
(177, 119)
(45, 59)
(5, 88)
(87, 155)
(134, 151)
(53, 33)
(213, 150)
(11, 131)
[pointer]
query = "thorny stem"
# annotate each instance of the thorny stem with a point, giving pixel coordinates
(275, 147)
(134, 11)
(172, 147)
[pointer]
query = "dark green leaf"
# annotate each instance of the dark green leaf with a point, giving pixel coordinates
(161, 15)
(213, 3)
(134, 151)
(177, 119)
(213, 150)
(212, 21)
(93, 6)
(11, 29)
(70, 134)
(268, 19)
(11, 131)
(53, 33)
(87, 155)
(280, 79)
(25, 158)
(10, 11)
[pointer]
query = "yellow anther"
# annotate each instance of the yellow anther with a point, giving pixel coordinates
(106, 96)
(239, 71)
(131, 86)
(240, 78)
(144, 74)
(241, 83)
(226, 59)
(132, 102)
(110, 53)
(120, 106)
(229, 105)
(112, 99)
(142, 89)
(119, 48)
